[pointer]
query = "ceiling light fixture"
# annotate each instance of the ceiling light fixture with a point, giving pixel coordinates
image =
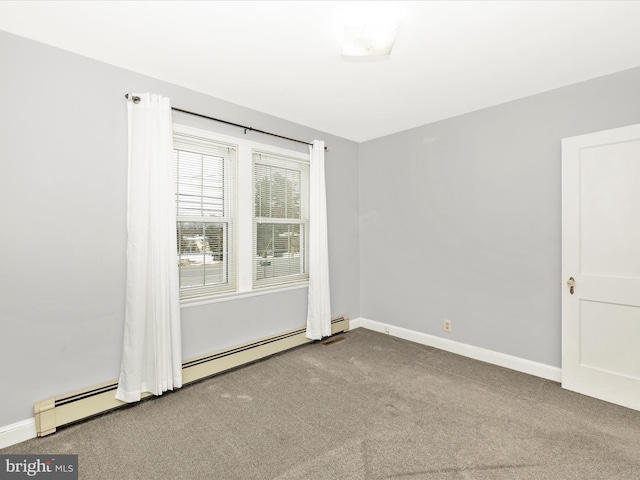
(368, 40)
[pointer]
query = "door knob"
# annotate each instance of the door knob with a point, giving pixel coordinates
(571, 283)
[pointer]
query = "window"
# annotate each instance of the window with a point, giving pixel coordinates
(242, 215)
(281, 220)
(205, 204)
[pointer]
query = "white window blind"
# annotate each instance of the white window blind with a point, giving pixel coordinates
(205, 200)
(281, 220)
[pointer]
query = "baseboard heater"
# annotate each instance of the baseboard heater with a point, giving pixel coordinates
(73, 407)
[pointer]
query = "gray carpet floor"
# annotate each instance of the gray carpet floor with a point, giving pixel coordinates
(369, 406)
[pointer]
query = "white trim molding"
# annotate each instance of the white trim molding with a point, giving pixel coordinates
(477, 353)
(17, 432)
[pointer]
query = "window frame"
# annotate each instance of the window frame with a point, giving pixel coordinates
(198, 142)
(302, 168)
(241, 242)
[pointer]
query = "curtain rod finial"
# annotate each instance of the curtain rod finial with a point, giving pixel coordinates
(133, 98)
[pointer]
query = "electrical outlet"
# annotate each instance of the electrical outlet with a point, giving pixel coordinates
(447, 325)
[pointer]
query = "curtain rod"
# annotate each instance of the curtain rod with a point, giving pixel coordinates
(136, 99)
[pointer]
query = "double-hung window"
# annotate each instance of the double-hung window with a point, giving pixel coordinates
(281, 219)
(206, 215)
(242, 215)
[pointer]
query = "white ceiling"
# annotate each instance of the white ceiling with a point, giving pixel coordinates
(283, 58)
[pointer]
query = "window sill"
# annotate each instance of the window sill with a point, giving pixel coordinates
(195, 302)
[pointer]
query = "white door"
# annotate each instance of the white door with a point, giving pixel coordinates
(601, 255)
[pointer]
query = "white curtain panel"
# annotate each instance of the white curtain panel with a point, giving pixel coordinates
(319, 307)
(151, 357)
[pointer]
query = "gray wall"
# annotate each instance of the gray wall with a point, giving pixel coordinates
(63, 174)
(460, 219)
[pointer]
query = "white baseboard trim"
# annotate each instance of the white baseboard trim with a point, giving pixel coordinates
(489, 356)
(355, 323)
(17, 432)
